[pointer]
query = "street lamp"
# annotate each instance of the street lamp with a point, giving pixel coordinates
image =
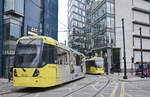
(142, 76)
(125, 72)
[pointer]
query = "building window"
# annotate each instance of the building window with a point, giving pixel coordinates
(110, 22)
(110, 8)
(15, 31)
(12, 31)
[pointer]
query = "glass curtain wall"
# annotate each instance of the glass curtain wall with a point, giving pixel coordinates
(50, 24)
(15, 5)
(13, 20)
(1, 35)
(110, 23)
(32, 16)
(100, 21)
(76, 21)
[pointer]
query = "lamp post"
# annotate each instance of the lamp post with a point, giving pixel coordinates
(142, 76)
(125, 72)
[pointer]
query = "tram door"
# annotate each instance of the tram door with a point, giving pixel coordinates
(71, 63)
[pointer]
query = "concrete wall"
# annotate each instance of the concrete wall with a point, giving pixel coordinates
(123, 9)
(145, 30)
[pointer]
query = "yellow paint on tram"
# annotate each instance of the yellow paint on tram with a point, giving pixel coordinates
(95, 65)
(55, 72)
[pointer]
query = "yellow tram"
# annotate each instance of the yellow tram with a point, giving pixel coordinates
(95, 65)
(43, 62)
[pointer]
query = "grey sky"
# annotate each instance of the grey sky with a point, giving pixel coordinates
(62, 20)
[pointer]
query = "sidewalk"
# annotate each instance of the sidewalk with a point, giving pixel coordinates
(4, 83)
(130, 77)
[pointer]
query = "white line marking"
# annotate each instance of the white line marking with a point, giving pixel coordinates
(129, 95)
(101, 95)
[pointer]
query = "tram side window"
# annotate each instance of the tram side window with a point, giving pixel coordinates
(78, 60)
(48, 55)
(62, 56)
(91, 63)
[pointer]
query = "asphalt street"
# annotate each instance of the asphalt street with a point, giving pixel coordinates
(90, 86)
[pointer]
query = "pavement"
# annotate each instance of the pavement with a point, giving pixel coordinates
(131, 77)
(4, 83)
(86, 87)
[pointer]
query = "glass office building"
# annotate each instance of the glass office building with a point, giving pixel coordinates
(50, 19)
(100, 28)
(100, 22)
(76, 25)
(23, 18)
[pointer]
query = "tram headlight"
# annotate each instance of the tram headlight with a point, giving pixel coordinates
(36, 73)
(15, 72)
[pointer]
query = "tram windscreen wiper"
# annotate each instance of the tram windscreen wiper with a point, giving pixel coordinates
(23, 69)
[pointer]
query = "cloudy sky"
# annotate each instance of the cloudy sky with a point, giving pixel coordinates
(62, 21)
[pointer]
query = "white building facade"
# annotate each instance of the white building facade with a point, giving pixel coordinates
(136, 14)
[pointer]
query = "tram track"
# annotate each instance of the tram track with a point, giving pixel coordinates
(88, 84)
(22, 92)
(18, 91)
(99, 91)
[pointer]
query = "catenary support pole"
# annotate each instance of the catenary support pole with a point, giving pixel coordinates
(142, 76)
(125, 71)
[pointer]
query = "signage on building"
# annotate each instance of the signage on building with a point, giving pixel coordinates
(9, 52)
(32, 31)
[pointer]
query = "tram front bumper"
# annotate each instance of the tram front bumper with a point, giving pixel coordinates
(31, 82)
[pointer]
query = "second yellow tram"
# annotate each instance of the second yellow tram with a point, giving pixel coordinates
(95, 65)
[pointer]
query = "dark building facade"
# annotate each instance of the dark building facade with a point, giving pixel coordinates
(32, 16)
(23, 18)
(50, 19)
(1, 34)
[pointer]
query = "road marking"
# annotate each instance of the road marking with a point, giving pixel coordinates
(96, 83)
(129, 95)
(114, 90)
(101, 95)
(97, 90)
(122, 93)
(70, 89)
(37, 94)
(0, 95)
(94, 88)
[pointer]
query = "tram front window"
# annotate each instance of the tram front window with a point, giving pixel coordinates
(99, 63)
(28, 53)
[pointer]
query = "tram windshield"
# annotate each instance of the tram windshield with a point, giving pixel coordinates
(28, 53)
(96, 63)
(99, 63)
